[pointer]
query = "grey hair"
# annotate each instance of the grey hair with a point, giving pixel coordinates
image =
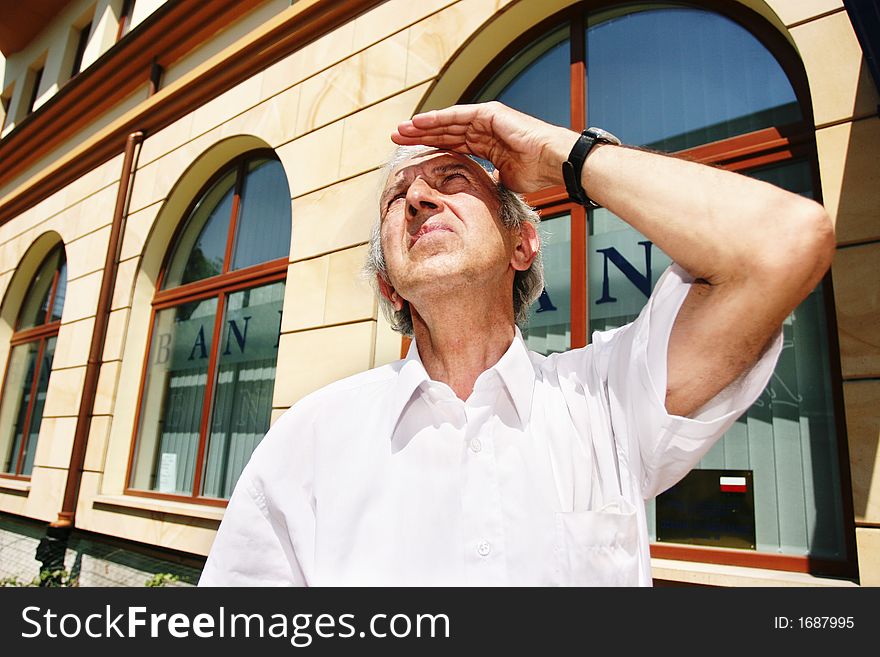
(514, 211)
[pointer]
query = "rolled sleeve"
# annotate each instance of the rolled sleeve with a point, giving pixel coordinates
(669, 446)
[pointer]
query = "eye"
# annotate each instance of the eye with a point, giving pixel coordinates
(453, 176)
(395, 198)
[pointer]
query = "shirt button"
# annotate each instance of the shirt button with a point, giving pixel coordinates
(483, 549)
(476, 445)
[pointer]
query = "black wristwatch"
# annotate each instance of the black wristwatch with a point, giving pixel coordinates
(571, 168)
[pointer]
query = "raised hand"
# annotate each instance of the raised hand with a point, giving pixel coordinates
(527, 152)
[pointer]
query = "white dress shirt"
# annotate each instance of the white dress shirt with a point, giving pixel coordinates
(539, 478)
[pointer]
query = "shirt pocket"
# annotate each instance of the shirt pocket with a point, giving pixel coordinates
(597, 548)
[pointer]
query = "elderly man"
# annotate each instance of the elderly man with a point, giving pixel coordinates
(476, 462)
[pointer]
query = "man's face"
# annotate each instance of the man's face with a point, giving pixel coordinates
(440, 226)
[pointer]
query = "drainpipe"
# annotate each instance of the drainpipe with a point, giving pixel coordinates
(52, 548)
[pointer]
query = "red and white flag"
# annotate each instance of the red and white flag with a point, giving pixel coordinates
(733, 484)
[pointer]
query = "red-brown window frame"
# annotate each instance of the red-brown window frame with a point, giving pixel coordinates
(742, 152)
(125, 13)
(218, 287)
(41, 333)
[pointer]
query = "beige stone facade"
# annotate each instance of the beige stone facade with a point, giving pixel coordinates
(326, 109)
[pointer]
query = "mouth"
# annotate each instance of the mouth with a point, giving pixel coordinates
(425, 230)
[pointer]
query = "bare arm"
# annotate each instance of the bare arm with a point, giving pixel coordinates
(755, 249)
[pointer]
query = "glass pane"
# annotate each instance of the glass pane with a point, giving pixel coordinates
(173, 398)
(245, 382)
(263, 230)
(36, 303)
(695, 77)
(15, 402)
(201, 247)
(549, 328)
(793, 176)
(60, 293)
(15, 425)
(537, 81)
(622, 268)
(30, 449)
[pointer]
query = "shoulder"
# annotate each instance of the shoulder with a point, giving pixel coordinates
(363, 388)
(327, 412)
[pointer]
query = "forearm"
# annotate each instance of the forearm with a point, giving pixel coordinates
(720, 226)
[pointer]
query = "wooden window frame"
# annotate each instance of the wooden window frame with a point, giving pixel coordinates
(752, 150)
(40, 333)
(219, 287)
(125, 12)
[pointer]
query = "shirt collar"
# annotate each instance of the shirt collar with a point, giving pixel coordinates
(518, 374)
(410, 376)
(514, 368)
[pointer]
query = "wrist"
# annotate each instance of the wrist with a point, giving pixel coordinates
(554, 152)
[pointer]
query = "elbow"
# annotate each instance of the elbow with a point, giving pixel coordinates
(818, 243)
(799, 254)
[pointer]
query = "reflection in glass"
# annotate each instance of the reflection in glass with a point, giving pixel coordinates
(27, 380)
(174, 397)
(695, 77)
(549, 328)
(201, 247)
(16, 399)
(245, 381)
(36, 419)
(537, 80)
(60, 293)
(623, 267)
(36, 303)
(20, 416)
(263, 230)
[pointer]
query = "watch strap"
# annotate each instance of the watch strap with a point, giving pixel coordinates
(573, 166)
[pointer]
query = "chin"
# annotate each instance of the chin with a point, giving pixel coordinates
(451, 281)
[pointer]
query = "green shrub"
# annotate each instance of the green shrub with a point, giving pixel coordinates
(46, 579)
(161, 579)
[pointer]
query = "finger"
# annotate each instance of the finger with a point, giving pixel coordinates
(407, 128)
(461, 115)
(440, 140)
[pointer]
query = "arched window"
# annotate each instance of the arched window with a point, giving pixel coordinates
(206, 395)
(29, 366)
(701, 85)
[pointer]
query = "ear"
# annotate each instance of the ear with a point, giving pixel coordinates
(527, 246)
(390, 293)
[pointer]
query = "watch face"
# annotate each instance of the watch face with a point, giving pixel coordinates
(603, 135)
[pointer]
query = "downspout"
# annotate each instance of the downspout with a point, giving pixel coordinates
(52, 548)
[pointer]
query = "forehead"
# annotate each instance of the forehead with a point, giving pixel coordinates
(432, 161)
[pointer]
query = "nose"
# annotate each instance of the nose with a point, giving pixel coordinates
(422, 200)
